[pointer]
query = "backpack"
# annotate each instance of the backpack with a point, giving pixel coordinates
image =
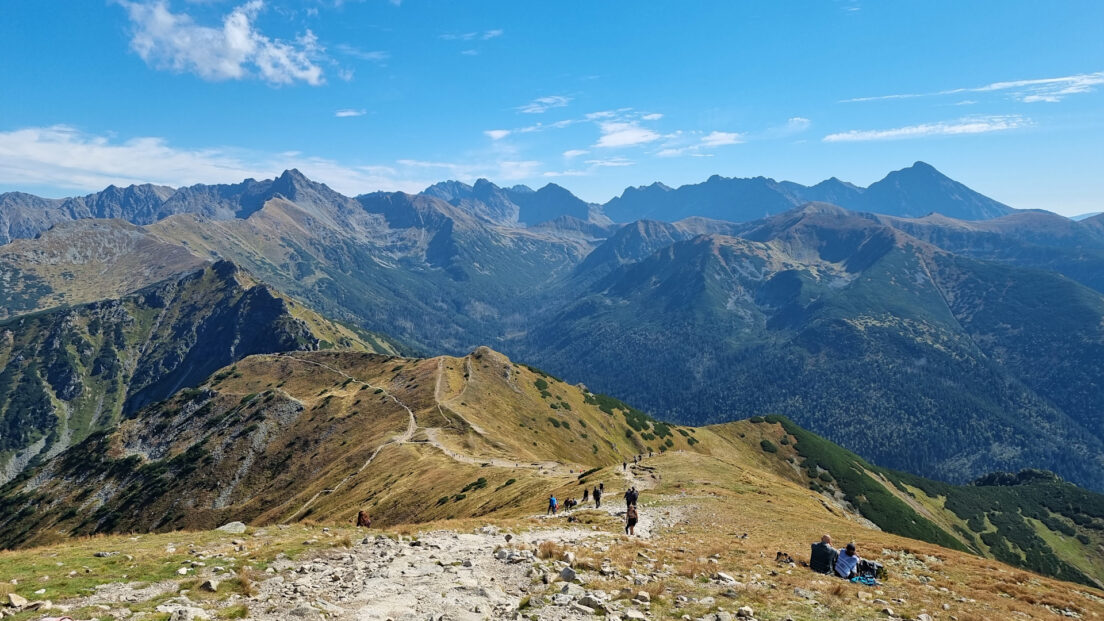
(871, 569)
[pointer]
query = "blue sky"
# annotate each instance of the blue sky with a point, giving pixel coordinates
(1006, 96)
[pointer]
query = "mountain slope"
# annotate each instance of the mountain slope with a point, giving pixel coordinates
(66, 372)
(1037, 239)
(84, 261)
(915, 358)
(417, 268)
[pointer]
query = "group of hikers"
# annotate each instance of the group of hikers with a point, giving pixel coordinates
(636, 460)
(571, 503)
(844, 563)
(631, 498)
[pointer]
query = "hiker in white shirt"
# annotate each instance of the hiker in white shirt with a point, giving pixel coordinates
(847, 563)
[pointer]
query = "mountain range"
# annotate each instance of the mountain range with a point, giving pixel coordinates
(942, 346)
(911, 192)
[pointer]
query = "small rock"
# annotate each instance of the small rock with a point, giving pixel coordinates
(804, 593)
(234, 528)
(723, 577)
(745, 612)
(569, 558)
(211, 586)
(581, 609)
(17, 601)
(188, 613)
(887, 611)
(567, 574)
(924, 617)
(183, 571)
(643, 596)
(632, 613)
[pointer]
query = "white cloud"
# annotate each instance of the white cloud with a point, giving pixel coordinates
(616, 134)
(63, 157)
(973, 125)
(570, 153)
(376, 56)
(720, 139)
(497, 134)
(677, 145)
(798, 124)
(655, 116)
(544, 104)
(1028, 91)
(615, 162)
(473, 36)
(234, 51)
(349, 112)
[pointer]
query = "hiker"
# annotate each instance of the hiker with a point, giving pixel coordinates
(363, 521)
(602, 487)
(823, 556)
(624, 466)
(847, 562)
(597, 497)
(630, 520)
(551, 505)
(630, 497)
(586, 494)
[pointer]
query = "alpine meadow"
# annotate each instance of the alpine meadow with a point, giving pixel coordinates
(391, 310)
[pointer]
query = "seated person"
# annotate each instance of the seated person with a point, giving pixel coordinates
(847, 563)
(823, 557)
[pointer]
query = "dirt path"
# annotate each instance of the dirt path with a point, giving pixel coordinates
(411, 429)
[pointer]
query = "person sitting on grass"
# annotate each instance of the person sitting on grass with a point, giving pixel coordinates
(848, 562)
(823, 557)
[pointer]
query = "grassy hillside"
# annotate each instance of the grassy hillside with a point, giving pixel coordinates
(80, 262)
(67, 372)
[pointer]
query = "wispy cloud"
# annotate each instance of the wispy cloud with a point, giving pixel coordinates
(973, 125)
(695, 144)
(497, 134)
(506, 169)
(233, 51)
(617, 134)
(570, 153)
(544, 104)
(591, 167)
(473, 36)
(376, 56)
(1028, 91)
(349, 112)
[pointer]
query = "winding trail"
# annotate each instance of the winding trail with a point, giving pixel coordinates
(411, 429)
(431, 433)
